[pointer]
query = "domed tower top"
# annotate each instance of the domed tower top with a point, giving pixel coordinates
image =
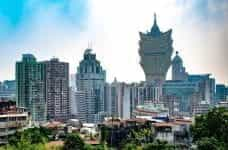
(87, 51)
(178, 70)
(155, 31)
(177, 59)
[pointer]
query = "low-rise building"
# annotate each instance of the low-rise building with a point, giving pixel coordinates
(201, 108)
(152, 109)
(12, 119)
(223, 104)
(175, 131)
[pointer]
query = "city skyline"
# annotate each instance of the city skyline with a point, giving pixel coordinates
(66, 28)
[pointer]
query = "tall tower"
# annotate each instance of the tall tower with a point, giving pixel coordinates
(31, 87)
(178, 70)
(57, 81)
(90, 80)
(155, 50)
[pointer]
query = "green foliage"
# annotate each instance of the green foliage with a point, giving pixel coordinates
(24, 145)
(29, 139)
(130, 146)
(73, 142)
(32, 136)
(104, 134)
(159, 145)
(213, 124)
(95, 147)
(139, 137)
(209, 144)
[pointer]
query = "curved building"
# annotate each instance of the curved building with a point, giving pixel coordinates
(155, 50)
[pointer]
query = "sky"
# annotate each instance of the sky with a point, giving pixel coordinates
(63, 29)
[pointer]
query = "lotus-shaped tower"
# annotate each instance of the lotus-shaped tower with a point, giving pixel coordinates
(155, 50)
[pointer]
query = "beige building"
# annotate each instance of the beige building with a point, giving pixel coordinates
(15, 119)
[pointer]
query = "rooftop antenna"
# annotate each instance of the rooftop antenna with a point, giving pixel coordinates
(89, 45)
(155, 18)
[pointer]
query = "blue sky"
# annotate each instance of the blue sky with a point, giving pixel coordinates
(14, 13)
(63, 28)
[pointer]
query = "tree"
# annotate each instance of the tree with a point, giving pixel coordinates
(159, 145)
(209, 144)
(95, 147)
(130, 146)
(213, 124)
(73, 142)
(139, 136)
(104, 134)
(32, 135)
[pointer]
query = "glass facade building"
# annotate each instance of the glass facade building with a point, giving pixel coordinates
(155, 50)
(90, 78)
(221, 93)
(31, 87)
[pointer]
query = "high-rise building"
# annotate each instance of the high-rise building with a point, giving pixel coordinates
(206, 86)
(73, 102)
(220, 93)
(145, 92)
(1, 86)
(111, 99)
(72, 81)
(227, 93)
(90, 78)
(9, 85)
(31, 87)
(8, 90)
(178, 70)
(155, 50)
(57, 88)
(86, 101)
(72, 93)
(117, 99)
(183, 94)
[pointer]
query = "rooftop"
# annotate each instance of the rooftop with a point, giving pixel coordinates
(152, 108)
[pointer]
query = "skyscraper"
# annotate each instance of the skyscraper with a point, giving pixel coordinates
(31, 87)
(178, 70)
(57, 88)
(117, 98)
(90, 78)
(155, 50)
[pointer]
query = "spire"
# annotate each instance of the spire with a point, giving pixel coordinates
(177, 52)
(177, 58)
(155, 19)
(155, 31)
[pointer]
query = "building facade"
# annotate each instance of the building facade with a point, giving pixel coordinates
(12, 119)
(8, 90)
(221, 93)
(183, 94)
(178, 70)
(90, 78)
(57, 89)
(31, 87)
(155, 50)
(206, 86)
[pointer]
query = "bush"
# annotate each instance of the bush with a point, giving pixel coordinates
(73, 142)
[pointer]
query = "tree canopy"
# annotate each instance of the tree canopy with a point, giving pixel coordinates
(211, 129)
